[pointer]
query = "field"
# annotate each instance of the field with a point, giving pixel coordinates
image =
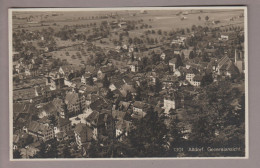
(165, 20)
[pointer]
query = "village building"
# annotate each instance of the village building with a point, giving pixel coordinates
(92, 122)
(55, 81)
(223, 37)
(139, 109)
(75, 103)
(197, 80)
(123, 128)
(133, 66)
(105, 70)
(85, 79)
(239, 61)
(190, 74)
(62, 128)
(172, 64)
(168, 104)
(41, 131)
(226, 67)
(83, 136)
(163, 56)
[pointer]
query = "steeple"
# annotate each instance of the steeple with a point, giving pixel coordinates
(235, 56)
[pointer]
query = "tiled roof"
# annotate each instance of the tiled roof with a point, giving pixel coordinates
(223, 61)
(80, 128)
(70, 68)
(105, 69)
(158, 109)
(90, 69)
(44, 120)
(198, 78)
(35, 126)
(98, 104)
(118, 114)
(49, 108)
(71, 98)
(87, 75)
(139, 104)
(192, 71)
(174, 60)
(93, 117)
(126, 88)
(124, 105)
(104, 118)
(123, 125)
(58, 103)
(23, 108)
(84, 132)
(232, 68)
(62, 122)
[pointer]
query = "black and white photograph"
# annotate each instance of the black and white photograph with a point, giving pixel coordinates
(128, 83)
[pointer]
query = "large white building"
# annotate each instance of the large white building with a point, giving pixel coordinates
(168, 103)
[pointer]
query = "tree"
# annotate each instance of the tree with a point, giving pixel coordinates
(144, 62)
(132, 57)
(205, 57)
(191, 55)
(90, 81)
(159, 32)
(52, 151)
(176, 136)
(42, 151)
(207, 79)
(110, 94)
(66, 152)
(155, 58)
(53, 120)
(151, 141)
(106, 82)
(188, 30)
(129, 96)
(17, 154)
(158, 85)
(138, 94)
(202, 131)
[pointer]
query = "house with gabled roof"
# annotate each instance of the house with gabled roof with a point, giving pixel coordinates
(90, 69)
(118, 115)
(105, 70)
(67, 70)
(85, 78)
(55, 80)
(41, 131)
(197, 80)
(101, 123)
(83, 134)
(170, 101)
(122, 127)
(62, 128)
(124, 106)
(75, 103)
(226, 67)
(190, 74)
(139, 109)
(133, 66)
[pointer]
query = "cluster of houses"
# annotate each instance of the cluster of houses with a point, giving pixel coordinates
(74, 102)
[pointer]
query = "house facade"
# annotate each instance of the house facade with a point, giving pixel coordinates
(41, 131)
(75, 103)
